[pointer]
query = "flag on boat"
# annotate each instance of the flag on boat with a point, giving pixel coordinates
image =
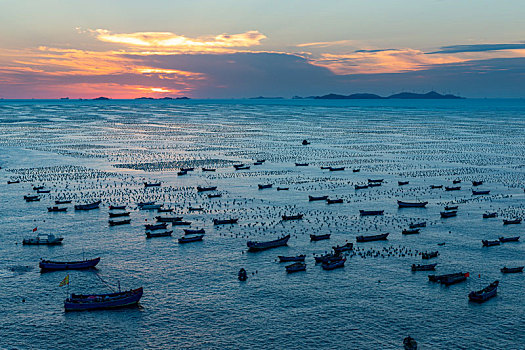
(64, 281)
(467, 274)
(34, 229)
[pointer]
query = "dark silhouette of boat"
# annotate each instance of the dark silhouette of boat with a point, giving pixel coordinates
(360, 187)
(79, 302)
(36, 188)
(224, 221)
(450, 280)
(118, 215)
(375, 181)
(474, 192)
(153, 227)
(187, 239)
(371, 212)
(262, 187)
(429, 255)
(512, 222)
(381, 237)
(165, 210)
(325, 168)
(409, 343)
(509, 239)
(477, 183)
(187, 169)
(296, 267)
(243, 168)
(428, 267)
(512, 269)
(123, 207)
(485, 294)
(291, 258)
(458, 181)
(158, 234)
(301, 164)
(257, 246)
(356, 170)
(292, 217)
(180, 223)
(62, 202)
(195, 209)
(242, 275)
(337, 169)
(118, 223)
(333, 264)
(436, 186)
(305, 142)
(215, 195)
(168, 218)
(282, 188)
(319, 237)
(402, 204)
(151, 184)
(32, 198)
(418, 224)
(448, 214)
(438, 278)
(90, 206)
(182, 173)
(490, 215)
(412, 231)
(208, 169)
(48, 265)
(320, 198)
(194, 232)
(205, 189)
(402, 183)
(334, 201)
(452, 188)
(9, 182)
(343, 248)
(56, 209)
(43, 191)
(451, 207)
(487, 243)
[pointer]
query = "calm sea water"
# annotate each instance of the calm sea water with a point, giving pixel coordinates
(88, 150)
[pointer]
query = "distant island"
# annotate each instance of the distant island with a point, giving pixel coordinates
(266, 98)
(432, 95)
(163, 98)
(101, 98)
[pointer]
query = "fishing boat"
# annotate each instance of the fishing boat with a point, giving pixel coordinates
(118, 215)
(409, 343)
(428, 267)
(48, 265)
(195, 209)
(257, 246)
(325, 167)
(451, 207)
(9, 182)
(374, 184)
(238, 165)
(452, 188)
(474, 192)
(291, 258)
(487, 243)
(79, 302)
(343, 248)
(448, 214)
(194, 232)
(319, 237)
(371, 212)
(490, 215)
(182, 173)
(381, 237)
(356, 170)
(477, 183)
(509, 239)
(242, 275)
(512, 269)
(327, 257)
(429, 255)
(305, 142)
(412, 231)
(360, 187)
(139, 204)
(292, 217)
(43, 239)
(320, 198)
(438, 278)
(418, 224)
(151, 184)
(56, 209)
(261, 160)
(224, 221)
(32, 198)
(187, 239)
(215, 195)
(150, 206)
(512, 222)
(296, 267)
(208, 169)
(332, 265)
(181, 223)
(168, 218)
(153, 227)
(36, 188)
(301, 164)
(334, 201)
(262, 187)
(118, 223)
(283, 188)
(90, 206)
(187, 169)
(243, 168)
(402, 204)
(158, 234)
(62, 202)
(257, 163)
(376, 181)
(121, 207)
(43, 191)
(402, 183)
(436, 186)
(337, 169)
(485, 294)
(458, 181)
(450, 280)
(206, 189)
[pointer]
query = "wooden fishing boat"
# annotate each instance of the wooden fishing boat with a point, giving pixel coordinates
(187, 239)
(296, 267)
(412, 231)
(120, 207)
(56, 209)
(181, 223)
(291, 258)
(292, 217)
(402, 183)
(371, 212)
(512, 222)
(182, 173)
(118, 223)
(485, 294)
(436, 186)
(429, 255)
(208, 169)
(319, 237)
(509, 239)
(327, 257)
(205, 189)
(458, 181)
(158, 234)
(477, 183)
(153, 227)
(450, 280)
(512, 269)
(90, 206)
(334, 201)
(243, 168)
(451, 207)
(168, 218)
(427, 267)
(62, 202)
(418, 224)
(32, 198)
(337, 169)
(215, 195)
(36, 188)
(9, 182)
(360, 187)
(257, 246)
(490, 215)
(343, 248)
(195, 209)
(487, 243)
(194, 232)
(262, 187)
(474, 192)
(257, 163)
(150, 206)
(48, 265)
(139, 204)
(325, 167)
(118, 215)
(301, 164)
(374, 184)
(187, 169)
(448, 214)
(320, 198)
(332, 265)
(438, 278)
(402, 204)
(381, 237)
(377, 180)
(43, 239)
(151, 184)
(305, 142)
(79, 302)
(238, 165)
(283, 188)
(224, 221)
(43, 191)
(356, 170)
(452, 188)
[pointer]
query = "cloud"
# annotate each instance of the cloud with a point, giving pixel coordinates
(479, 48)
(327, 43)
(174, 42)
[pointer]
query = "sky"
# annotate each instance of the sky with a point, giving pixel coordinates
(247, 48)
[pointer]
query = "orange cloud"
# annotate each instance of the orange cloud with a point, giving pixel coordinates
(174, 42)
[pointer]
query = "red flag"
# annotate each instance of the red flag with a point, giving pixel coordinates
(34, 229)
(467, 274)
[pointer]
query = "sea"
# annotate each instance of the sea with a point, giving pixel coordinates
(86, 151)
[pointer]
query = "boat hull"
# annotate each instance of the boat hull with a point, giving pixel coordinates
(258, 246)
(103, 301)
(71, 265)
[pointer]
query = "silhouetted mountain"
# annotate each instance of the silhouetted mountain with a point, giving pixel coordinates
(432, 95)
(349, 97)
(266, 98)
(144, 98)
(101, 98)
